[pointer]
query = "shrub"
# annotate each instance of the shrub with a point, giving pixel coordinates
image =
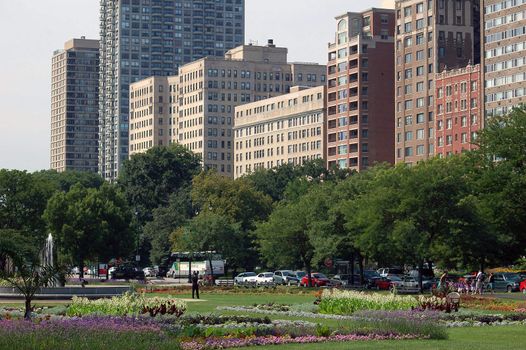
(348, 302)
(127, 304)
(422, 323)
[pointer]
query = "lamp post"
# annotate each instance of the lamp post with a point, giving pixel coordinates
(137, 256)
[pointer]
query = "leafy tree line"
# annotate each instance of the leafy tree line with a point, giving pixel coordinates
(462, 211)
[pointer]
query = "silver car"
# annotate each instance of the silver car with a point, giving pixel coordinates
(286, 277)
(245, 277)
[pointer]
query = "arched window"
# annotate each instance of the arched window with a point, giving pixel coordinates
(342, 25)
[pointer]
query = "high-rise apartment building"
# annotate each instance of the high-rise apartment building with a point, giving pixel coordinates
(431, 35)
(458, 110)
(203, 96)
(504, 55)
(360, 90)
(74, 106)
(283, 129)
(143, 38)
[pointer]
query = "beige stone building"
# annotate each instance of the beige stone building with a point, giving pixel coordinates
(74, 106)
(205, 93)
(504, 55)
(151, 119)
(280, 130)
(431, 35)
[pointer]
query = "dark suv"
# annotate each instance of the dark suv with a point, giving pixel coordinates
(127, 273)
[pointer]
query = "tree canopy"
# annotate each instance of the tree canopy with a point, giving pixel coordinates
(90, 224)
(149, 179)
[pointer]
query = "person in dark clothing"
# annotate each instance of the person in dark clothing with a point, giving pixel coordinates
(195, 285)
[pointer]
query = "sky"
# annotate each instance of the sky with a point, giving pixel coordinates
(32, 29)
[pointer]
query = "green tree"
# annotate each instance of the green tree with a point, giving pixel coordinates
(63, 181)
(23, 200)
(165, 221)
(285, 238)
(274, 182)
(23, 271)
(90, 224)
(413, 215)
(499, 174)
(238, 201)
(209, 231)
(149, 179)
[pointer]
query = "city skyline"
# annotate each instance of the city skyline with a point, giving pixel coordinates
(30, 64)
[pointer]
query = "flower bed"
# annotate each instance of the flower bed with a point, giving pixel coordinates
(85, 333)
(126, 305)
(493, 304)
(440, 318)
(224, 343)
(347, 302)
(303, 314)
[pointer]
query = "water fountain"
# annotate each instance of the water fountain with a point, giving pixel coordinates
(47, 252)
(54, 289)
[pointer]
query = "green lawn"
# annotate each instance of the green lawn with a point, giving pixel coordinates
(491, 338)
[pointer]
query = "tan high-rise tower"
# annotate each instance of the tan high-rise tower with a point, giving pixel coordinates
(74, 106)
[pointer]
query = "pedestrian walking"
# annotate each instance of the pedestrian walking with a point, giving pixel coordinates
(195, 285)
(491, 279)
(479, 282)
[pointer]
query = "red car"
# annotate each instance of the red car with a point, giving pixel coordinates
(317, 279)
(383, 283)
(522, 286)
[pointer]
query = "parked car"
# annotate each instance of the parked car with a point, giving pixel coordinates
(299, 274)
(506, 281)
(427, 274)
(127, 273)
(383, 283)
(386, 271)
(406, 284)
(370, 278)
(344, 280)
(265, 278)
(149, 272)
(285, 277)
(317, 279)
(522, 286)
(339, 280)
(245, 277)
(162, 271)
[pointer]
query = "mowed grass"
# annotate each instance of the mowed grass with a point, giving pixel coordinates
(473, 338)
(476, 338)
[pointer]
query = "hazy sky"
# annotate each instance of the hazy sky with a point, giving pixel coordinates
(32, 29)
